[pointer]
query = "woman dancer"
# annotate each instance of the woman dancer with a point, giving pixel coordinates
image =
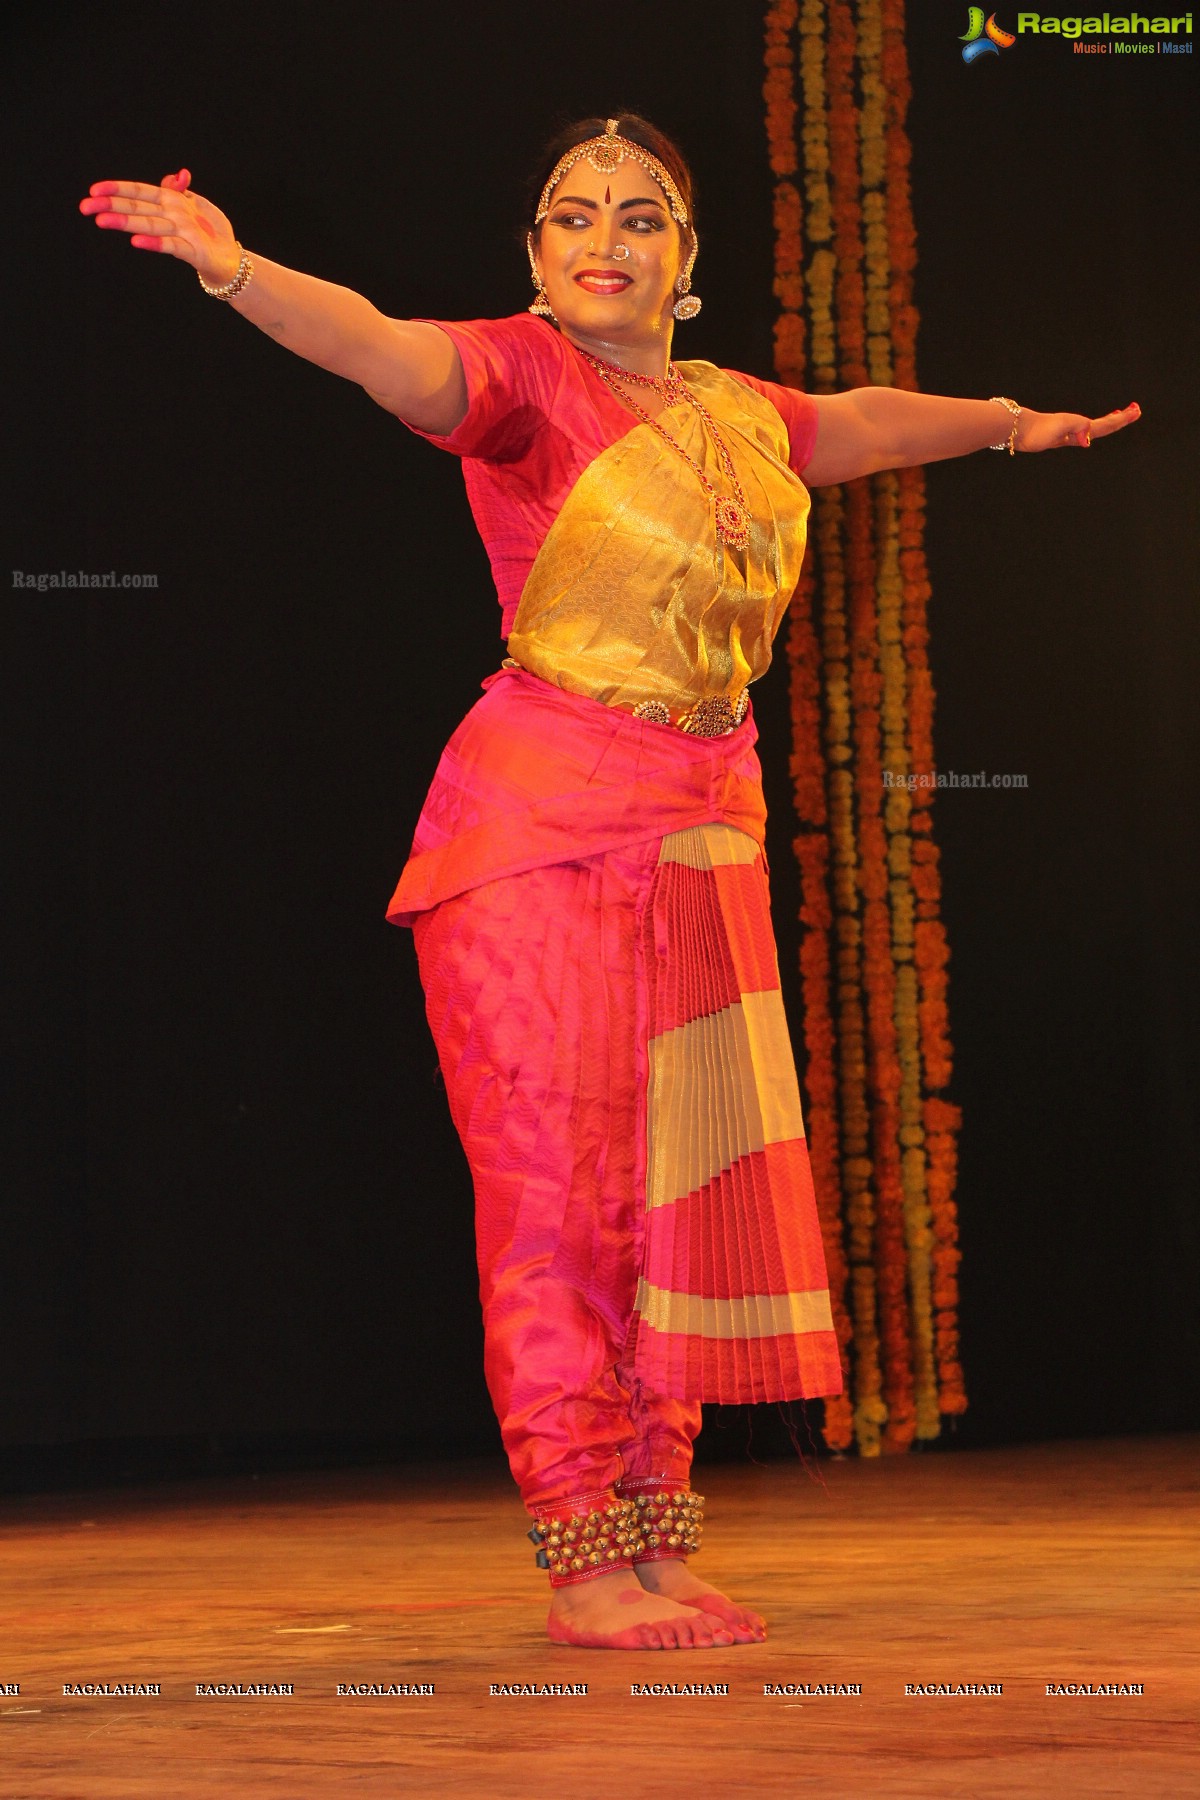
(587, 888)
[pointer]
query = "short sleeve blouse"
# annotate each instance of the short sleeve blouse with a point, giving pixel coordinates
(536, 416)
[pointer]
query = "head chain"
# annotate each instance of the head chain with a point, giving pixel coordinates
(606, 154)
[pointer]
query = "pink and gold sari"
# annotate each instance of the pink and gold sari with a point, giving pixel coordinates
(588, 894)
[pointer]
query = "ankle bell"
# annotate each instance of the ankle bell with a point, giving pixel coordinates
(578, 1545)
(670, 1522)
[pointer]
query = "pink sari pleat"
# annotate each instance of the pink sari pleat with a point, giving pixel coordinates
(733, 1297)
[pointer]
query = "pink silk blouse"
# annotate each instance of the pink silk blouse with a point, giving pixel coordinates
(537, 416)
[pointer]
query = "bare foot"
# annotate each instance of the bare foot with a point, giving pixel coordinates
(672, 1578)
(615, 1612)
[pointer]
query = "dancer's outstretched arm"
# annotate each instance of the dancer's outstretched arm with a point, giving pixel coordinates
(867, 429)
(408, 367)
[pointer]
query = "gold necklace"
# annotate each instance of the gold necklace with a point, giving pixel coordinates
(730, 511)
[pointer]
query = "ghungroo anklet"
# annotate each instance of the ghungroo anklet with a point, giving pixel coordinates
(577, 1541)
(670, 1519)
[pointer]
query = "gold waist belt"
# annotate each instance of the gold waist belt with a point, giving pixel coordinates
(714, 716)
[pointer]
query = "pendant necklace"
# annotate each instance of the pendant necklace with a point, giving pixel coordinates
(730, 511)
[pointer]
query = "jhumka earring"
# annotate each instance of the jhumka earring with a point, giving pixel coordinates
(539, 305)
(688, 304)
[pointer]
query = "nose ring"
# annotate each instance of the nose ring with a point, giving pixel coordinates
(620, 251)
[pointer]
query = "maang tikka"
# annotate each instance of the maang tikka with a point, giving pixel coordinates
(606, 154)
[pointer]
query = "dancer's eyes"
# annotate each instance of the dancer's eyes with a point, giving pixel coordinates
(641, 223)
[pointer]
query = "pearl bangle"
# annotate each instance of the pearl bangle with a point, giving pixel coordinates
(1010, 442)
(245, 271)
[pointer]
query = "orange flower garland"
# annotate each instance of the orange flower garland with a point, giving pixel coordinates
(870, 1409)
(890, 1251)
(931, 950)
(873, 952)
(812, 843)
(873, 120)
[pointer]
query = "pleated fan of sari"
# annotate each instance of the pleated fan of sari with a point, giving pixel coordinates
(732, 1303)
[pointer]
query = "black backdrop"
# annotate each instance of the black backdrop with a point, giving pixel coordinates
(236, 1213)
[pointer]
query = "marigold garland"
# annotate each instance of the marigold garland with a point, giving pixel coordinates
(873, 954)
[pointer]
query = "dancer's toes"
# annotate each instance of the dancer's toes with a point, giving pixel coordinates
(707, 1633)
(744, 1627)
(671, 1578)
(615, 1612)
(749, 1627)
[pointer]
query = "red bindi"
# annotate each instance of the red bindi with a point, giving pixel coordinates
(607, 196)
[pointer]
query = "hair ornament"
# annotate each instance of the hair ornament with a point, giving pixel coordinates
(606, 154)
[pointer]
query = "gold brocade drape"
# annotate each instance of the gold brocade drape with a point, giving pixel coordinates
(631, 596)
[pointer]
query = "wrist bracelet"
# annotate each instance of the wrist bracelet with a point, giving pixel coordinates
(245, 271)
(1010, 442)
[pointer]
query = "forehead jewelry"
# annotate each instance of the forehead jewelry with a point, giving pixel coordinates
(606, 154)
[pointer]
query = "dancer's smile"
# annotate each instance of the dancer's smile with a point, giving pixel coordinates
(599, 281)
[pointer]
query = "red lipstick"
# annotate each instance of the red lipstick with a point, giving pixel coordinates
(603, 281)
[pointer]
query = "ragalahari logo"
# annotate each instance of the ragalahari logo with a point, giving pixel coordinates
(983, 37)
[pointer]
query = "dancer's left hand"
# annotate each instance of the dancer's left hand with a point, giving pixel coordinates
(1057, 431)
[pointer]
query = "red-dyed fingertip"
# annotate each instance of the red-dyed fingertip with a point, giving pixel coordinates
(184, 178)
(145, 243)
(103, 187)
(1133, 407)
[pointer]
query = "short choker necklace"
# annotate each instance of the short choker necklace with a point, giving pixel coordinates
(730, 511)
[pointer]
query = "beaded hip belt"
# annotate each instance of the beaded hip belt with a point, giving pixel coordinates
(714, 716)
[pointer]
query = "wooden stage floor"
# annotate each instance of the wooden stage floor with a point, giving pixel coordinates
(1050, 1564)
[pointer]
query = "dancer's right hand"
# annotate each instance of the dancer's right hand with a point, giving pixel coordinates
(169, 218)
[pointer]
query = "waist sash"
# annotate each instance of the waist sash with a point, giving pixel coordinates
(535, 775)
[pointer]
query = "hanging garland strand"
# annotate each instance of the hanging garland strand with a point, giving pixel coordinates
(873, 953)
(890, 1249)
(941, 1119)
(897, 805)
(804, 663)
(857, 1172)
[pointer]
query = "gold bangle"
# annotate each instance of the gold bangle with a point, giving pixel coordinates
(245, 271)
(1010, 442)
